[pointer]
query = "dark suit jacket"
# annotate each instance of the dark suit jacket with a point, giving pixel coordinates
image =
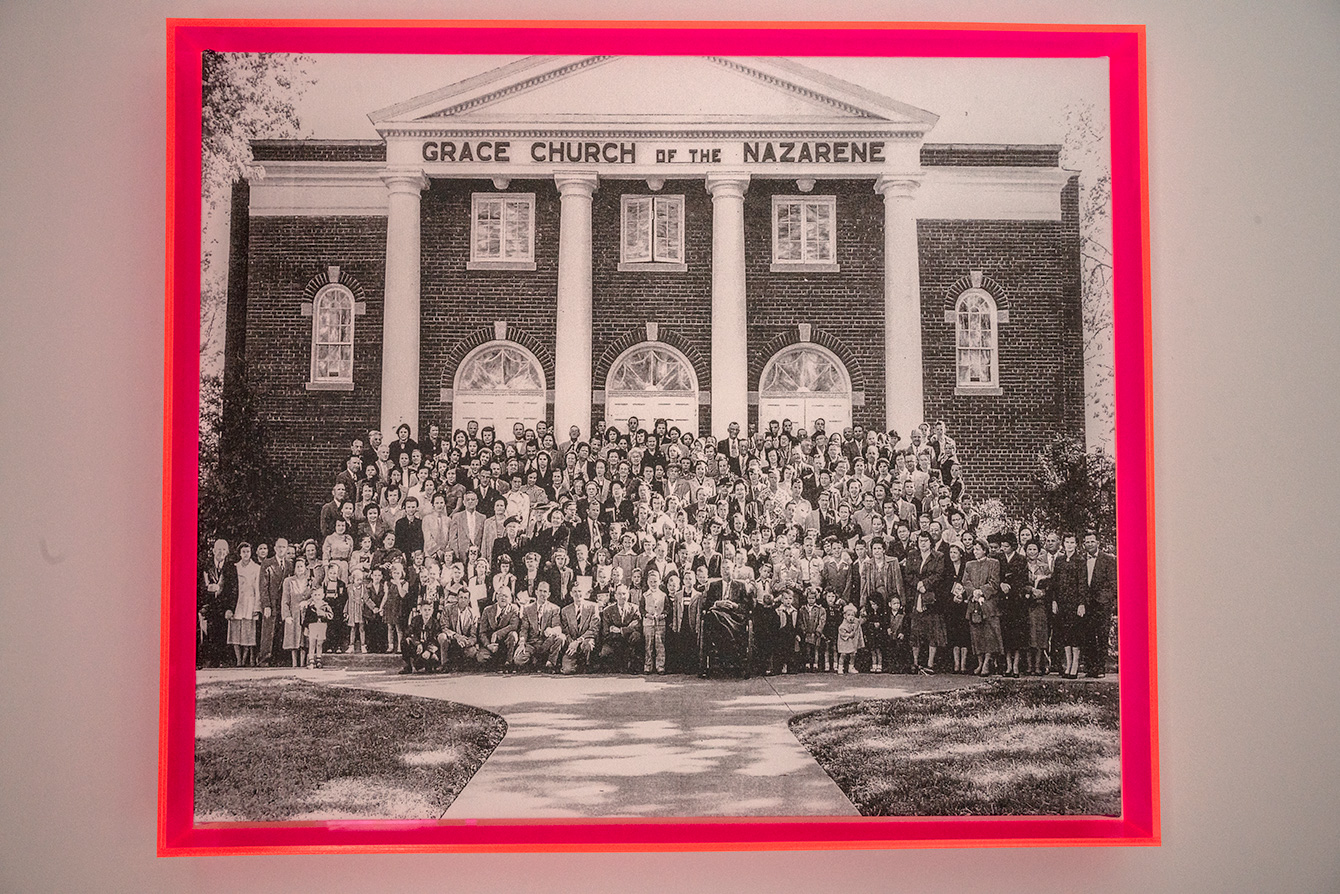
(1102, 590)
(932, 573)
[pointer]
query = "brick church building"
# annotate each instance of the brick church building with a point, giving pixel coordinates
(705, 240)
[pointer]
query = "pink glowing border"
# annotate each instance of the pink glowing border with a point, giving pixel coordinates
(1124, 47)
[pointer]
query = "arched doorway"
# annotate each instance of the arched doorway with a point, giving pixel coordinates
(499, 383)
(805, 382)
(651, 381)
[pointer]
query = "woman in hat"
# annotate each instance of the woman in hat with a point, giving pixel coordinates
(981, 581)
(956, 619)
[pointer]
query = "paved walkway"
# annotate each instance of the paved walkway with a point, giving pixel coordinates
(609, 746)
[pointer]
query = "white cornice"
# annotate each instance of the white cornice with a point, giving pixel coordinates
(472, 98)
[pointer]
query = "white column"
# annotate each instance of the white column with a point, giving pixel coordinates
(572, 344)
(730, 346)
(904, 406)
(400, 322)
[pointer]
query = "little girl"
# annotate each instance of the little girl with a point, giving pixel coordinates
(316, 611)
(849, 640)
(353, 608)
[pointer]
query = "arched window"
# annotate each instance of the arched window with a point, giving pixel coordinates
(652, 380)
(499, 383)
(333, 335)
(975, 340)
(805, 382)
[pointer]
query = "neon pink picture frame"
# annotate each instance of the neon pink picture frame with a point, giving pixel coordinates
(1124, 48)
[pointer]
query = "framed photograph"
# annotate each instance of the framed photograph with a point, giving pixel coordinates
(656, 436)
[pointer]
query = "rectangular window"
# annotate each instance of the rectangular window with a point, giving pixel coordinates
(804, 232)
(652, 232)
(502, 231)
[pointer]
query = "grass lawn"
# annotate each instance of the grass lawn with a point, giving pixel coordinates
(1006, 748)
(286, 749)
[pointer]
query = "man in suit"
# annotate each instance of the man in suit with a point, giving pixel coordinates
(590, 531)
(620, 632)
(1100, 583)
(580, 621)
(273, 573)
(541, 637)
(498, 630)
(215, 596)
(733, 448)
(460, 634)
(331, 511)
(466, 529)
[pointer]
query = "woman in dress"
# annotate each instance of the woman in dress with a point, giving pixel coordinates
(981, 581)
(1039, 634)
(296, 590)
(338, 547)
(956, 618)
(247, 610)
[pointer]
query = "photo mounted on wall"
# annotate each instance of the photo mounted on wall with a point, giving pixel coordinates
(691, 425)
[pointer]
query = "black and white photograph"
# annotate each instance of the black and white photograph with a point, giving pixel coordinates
(657, 437)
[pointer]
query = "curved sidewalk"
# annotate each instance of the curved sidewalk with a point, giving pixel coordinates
(673, 746)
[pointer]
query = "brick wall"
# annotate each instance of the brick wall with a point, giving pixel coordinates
(312, 429)
(1035, 265)
(458, 307)
(848, 306)
(679, 302)
(318, 150)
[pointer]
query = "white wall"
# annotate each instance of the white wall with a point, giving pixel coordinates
(1244, 128)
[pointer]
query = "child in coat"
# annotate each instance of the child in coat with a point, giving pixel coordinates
(849, 640)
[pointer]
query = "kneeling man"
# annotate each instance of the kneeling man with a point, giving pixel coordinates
(541, 633)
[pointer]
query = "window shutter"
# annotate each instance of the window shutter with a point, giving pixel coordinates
(637, 229)
(669, 214)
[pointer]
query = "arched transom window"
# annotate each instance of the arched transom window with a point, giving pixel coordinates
(498, 384)
(333, 335)
(975, 340)
(805, 382)
(653, 381)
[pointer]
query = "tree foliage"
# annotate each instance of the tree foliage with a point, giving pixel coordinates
(244, 492)
(1074, 491)
(1086, 148)
(244, 97)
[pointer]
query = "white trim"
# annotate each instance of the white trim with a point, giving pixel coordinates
(797, 347)
(694, 397)
(526, 262)
(986, 193)
(318, 189)
(329, 383)
(652, 263)
(993, 386)
(540, 396)
(802, 264)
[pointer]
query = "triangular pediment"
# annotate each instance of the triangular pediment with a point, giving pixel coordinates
(652, 90)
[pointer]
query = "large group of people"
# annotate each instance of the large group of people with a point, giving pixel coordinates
(648, 550)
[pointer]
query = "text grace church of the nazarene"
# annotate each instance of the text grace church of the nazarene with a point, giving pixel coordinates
(704, 240)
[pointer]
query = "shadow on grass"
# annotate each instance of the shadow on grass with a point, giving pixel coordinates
(285, 749)
(1004, 749)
